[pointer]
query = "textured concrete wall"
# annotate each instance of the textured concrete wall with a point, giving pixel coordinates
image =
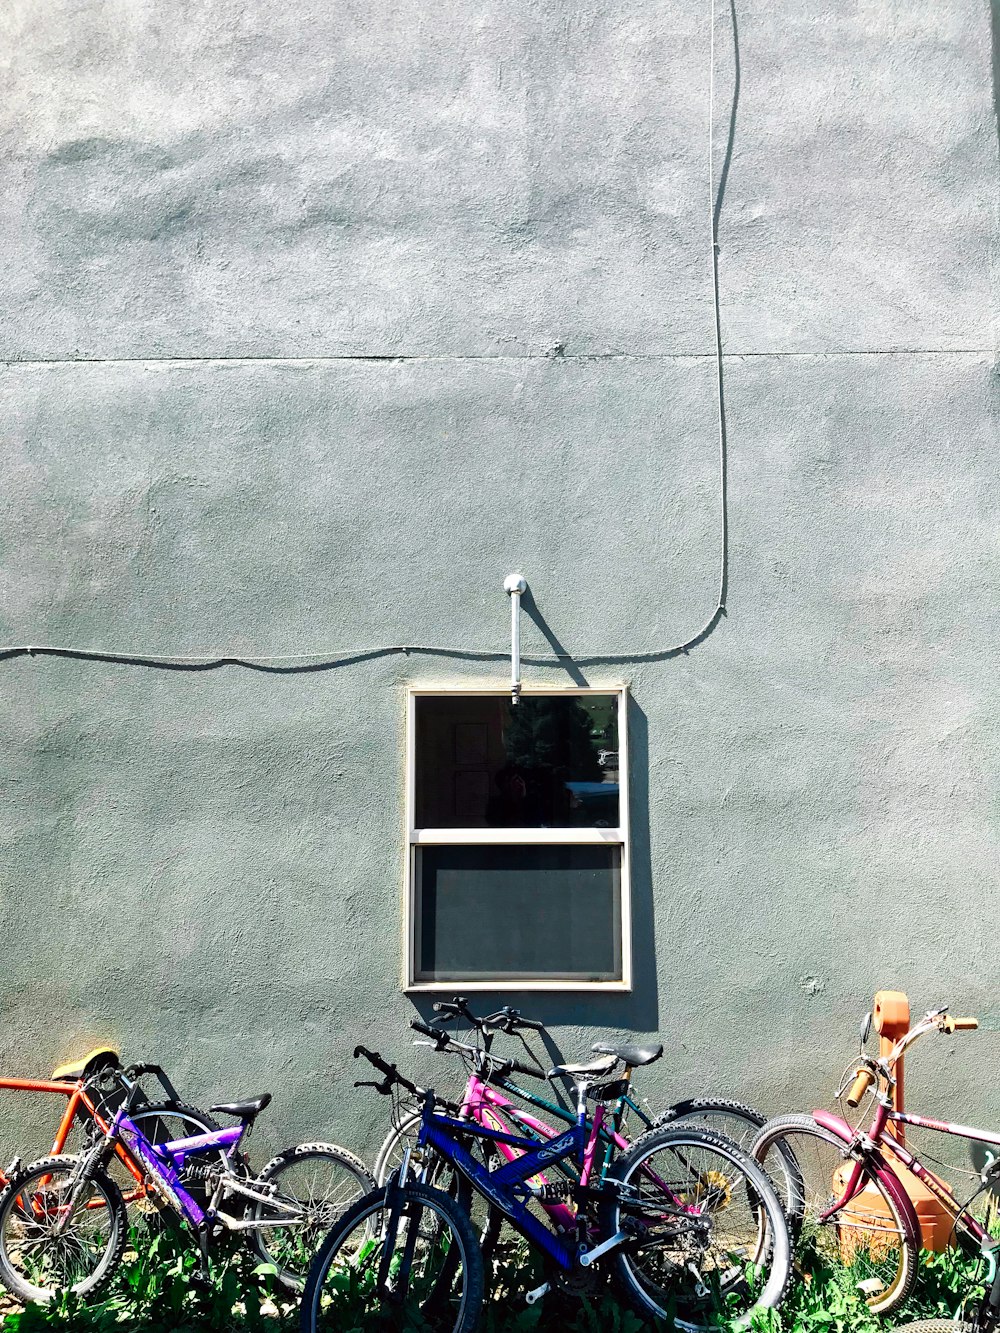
(318, 320)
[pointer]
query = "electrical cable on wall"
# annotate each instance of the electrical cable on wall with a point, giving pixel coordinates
(325, 659)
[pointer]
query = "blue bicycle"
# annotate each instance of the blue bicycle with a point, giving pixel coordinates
(688, 1226)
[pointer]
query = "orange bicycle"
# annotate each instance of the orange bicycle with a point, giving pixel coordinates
(160, 1121)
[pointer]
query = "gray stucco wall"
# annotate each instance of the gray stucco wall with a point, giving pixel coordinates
(318, 321)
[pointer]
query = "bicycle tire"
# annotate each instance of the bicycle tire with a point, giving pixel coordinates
(14, 1214)
(764, 1230)
(747, 1120)
(360, 1217)
(934, 1326)
(489, 1223)
(327, 1211)
(804, 1199)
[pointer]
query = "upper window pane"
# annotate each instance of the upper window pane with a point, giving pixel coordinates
(551, 761)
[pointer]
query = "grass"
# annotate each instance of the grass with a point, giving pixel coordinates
(153, 1292)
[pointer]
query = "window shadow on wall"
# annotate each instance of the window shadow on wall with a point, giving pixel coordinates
(608, 1013)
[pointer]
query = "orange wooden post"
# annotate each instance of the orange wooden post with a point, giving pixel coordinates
(891, 1019)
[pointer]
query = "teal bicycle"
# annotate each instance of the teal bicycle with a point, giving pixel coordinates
(488, 1101)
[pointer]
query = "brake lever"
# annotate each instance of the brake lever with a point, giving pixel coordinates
(383, 1089)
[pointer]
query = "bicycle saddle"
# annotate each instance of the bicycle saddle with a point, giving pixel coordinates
(243, 1110)
(633, 1056)
(596, 1068)
(101, 1057)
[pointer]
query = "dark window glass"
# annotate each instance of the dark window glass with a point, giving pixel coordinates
(518, 913)
(548, 762)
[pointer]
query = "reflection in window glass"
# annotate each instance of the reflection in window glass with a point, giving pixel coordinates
(549, 762)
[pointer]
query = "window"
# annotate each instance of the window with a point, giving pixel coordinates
(517, 819)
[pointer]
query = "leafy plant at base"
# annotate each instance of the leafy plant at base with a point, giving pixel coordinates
(155, 1292)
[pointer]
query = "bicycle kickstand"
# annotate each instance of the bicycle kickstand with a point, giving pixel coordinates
(201, 1278)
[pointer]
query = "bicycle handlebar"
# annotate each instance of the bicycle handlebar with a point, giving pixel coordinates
(458, 1007)
(506, 1019)
(938, 1020)
(137, 1071)
(519, 1068)
(509, 1020)
(862, 1082)
(500, 1066)
(392, 1074)
(439, 1038)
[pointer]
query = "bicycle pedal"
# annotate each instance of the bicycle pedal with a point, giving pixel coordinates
(536, 1294)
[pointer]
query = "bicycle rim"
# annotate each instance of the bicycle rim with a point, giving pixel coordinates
(935, 1326)
(51, 1241)
(707, 1231)
(424, 1274)
(868, 1239)
(321, 1186)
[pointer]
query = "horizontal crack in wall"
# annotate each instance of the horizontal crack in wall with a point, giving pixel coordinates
(407, 358)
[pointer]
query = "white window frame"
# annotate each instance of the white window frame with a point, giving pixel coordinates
(517, 837)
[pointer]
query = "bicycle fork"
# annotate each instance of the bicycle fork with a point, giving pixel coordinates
(395, 1200)
(82, 1177)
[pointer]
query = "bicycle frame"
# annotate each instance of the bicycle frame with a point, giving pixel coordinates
(163, 1161)
(612, 1137)
(526, 1159)
(78, 1102)
(885, 1146)
(481, 1103)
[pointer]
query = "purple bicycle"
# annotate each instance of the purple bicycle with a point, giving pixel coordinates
(63, 1222)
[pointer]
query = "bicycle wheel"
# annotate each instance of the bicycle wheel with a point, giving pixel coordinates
(487, 1220)
(321, 1181)
(735, 1120)
(429, 1269)
(50, 1241)
(709, 1240)
(873, 1238)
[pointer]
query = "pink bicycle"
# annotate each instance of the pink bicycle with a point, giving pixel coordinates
(740, 1260)
(841, 1185)
(490, 1078)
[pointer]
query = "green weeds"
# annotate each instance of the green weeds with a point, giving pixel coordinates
(155, 1292)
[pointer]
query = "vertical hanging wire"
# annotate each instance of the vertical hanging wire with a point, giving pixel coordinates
(713, 205)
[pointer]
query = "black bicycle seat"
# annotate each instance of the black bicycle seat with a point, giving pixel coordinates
(243, 1110)
(633, 1056)
(595, 1070)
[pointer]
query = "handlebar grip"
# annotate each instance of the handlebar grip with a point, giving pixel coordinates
(440, 1038)
(137, 1071)
(457, 1007)
(862, 1082)
(533, 1023)
(520, 1068)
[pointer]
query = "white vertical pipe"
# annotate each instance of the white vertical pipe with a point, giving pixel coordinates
(514, 585)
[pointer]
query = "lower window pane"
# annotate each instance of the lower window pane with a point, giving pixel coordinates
(518, 913)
